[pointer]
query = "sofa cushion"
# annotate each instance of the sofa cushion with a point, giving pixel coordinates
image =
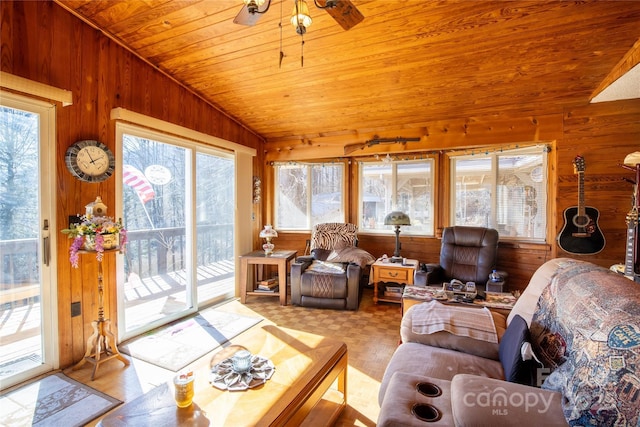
(450, 341)
(515, 369)
(435, 362)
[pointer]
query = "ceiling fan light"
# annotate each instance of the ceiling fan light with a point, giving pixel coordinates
(253, 6)
(300, 18)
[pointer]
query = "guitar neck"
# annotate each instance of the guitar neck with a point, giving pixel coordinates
(631, 252)
(581, 210)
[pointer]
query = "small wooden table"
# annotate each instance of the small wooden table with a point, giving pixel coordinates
(308, 387)
(392, 272)
(258, 258)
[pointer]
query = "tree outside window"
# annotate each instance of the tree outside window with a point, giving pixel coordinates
(308, 194)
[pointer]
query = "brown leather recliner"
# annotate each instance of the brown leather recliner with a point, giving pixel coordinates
(468, 254)
(330, 276)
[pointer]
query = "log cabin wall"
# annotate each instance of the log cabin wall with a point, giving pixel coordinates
(44, 43)
(602, 133)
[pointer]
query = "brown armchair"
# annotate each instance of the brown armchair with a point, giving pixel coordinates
(330, 276)
(467, 253)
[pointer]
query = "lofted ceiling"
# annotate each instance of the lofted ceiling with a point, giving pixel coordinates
(407, 63)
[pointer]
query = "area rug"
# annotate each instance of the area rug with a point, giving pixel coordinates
(55, 400)
(176, 345)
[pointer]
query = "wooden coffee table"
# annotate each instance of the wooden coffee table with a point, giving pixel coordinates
(300, 391)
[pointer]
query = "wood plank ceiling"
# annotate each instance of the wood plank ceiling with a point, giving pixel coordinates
(407, 63)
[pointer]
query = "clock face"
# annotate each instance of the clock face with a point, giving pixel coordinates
(90, 161)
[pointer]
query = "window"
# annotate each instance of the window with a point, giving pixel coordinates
(504, 190)
(308, 194)
(397, 185)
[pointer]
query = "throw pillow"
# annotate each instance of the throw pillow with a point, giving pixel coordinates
(516, 370)
(351, 254)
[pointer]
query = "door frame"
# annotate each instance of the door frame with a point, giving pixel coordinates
(47, 206)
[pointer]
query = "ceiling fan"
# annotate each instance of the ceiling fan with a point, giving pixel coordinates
(343, 11)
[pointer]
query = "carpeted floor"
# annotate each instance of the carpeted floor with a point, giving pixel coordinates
(54, 400)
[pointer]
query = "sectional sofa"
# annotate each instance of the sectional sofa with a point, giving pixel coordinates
(568, 353)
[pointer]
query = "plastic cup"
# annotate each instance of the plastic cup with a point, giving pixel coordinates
(183, 384)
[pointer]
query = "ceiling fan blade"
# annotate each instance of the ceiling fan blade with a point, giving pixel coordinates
(345, 14)
(245, 18)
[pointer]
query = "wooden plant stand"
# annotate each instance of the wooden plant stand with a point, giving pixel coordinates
(101, 345)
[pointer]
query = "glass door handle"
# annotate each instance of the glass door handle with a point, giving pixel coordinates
(46, 250)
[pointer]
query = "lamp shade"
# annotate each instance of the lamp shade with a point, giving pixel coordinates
(300, 18)
(268, 231)
(397, 218)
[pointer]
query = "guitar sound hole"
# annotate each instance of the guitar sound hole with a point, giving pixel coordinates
(581, 220)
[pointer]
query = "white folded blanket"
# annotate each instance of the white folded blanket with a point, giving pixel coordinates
(433, 316)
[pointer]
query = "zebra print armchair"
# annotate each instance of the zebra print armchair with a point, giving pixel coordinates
(330, 276)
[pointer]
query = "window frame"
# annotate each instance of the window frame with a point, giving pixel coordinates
(194, 143)
(407, 230)
(494, 155)
(309, 218)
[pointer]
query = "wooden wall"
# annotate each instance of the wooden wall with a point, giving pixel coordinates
(602, 133)
(44, 43)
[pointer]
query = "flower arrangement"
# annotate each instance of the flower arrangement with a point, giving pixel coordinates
(95, 233)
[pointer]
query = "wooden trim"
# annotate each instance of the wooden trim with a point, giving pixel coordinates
(30, 87)
(161, 125)
(628, 61)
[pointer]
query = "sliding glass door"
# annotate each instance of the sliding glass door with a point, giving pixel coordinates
(178, 208)
(27, 290)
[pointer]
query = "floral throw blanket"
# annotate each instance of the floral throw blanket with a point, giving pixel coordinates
(586, 331)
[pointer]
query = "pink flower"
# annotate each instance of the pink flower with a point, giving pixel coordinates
(73, 250)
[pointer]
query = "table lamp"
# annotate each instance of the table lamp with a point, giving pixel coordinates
(397, 219)
(268, 233)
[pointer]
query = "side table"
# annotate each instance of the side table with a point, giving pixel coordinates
(392, 272)
(281, 258)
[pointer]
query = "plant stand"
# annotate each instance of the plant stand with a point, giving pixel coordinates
(101, 345)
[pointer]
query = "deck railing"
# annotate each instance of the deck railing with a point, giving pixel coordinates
(149, 253)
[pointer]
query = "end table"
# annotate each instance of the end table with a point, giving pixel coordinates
(392, 272)
(281, 258)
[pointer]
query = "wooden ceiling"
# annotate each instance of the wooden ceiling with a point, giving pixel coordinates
(406, 64)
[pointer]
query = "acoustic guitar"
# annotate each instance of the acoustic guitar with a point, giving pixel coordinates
(581, 234)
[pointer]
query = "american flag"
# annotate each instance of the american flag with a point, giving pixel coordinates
(136, 180)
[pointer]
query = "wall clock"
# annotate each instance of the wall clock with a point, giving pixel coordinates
(90, 161)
